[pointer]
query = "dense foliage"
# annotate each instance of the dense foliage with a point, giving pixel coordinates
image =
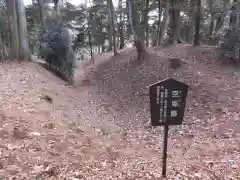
(230, 44)
(229, 35)
(55, 48)
(100, 26)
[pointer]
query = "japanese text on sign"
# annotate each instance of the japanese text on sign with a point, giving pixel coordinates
(176, 95)
(167, 102)
(162, 94)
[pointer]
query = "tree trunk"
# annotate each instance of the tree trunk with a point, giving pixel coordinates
(164, 24)
(137, 41)
(146, 22)
(225, 22)
(121, 34)
(175, 22)
(120, 27)
(110, 38)
(110, 27)
(156, 41)
(57, 8)
(22, 31)
(198, 22)
(102, 43)
(211, 26)
(90, 37)
(129, 31)
(113, 25)
(238, 15)
(41, 12)
(1, 48)
(233, 17)
(220, 19)
(191, 14)
(13, 26)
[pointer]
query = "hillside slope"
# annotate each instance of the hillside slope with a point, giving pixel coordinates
(99, 129)
(52, 131)
(212, 113)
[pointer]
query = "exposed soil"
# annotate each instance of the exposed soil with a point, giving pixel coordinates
(100, 128)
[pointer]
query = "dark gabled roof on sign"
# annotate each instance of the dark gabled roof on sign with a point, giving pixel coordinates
(168, 79)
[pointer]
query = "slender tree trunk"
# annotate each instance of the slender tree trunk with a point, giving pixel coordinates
(90, 37)
(164, 23)
(22, 31)
(137, 41)
(57, 8)
(130, 13)
(120, 27)
(233, 17)
(191, 14)
(13, 26)
(101, 28)
(99, 48)
(113, 25)
(238, 15)
(175, 22)
(128, 20)
(198, 22)
(211, 26)
(110, 27)
(146, 22)
(122, 43)
(1, 48)
(90, 45)
(110, 38)
(41, 11)
(220, 19)
(121, 34)
(155, 42)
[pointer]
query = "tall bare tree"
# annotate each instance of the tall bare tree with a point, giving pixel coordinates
(90, 17)
(113, 25)
(41, 11)
(175, 22)
(110, 27)
(233, 17)
(146, 22)
(198, 22)
(137, 40)
(1, 48)
(164, 24)
(13, 26)
(190, 22)
(121, 26)
(56, 7)
(22, 31)
(221, 16)
(155, 42)
(211, 25)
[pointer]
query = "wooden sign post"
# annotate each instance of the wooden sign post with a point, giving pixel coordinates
(167, 105)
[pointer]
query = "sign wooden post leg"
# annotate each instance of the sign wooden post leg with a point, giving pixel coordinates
(165, 142)
(167, 105)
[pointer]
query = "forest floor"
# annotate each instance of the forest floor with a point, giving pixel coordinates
(99, 129)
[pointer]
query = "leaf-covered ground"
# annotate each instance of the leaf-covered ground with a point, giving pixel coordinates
(99, 129)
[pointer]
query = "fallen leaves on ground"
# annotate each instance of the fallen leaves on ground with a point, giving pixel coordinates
(100, 130)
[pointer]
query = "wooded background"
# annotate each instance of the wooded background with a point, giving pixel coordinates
(99, 26)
